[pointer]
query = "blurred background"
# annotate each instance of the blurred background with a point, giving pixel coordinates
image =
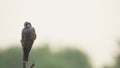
(70, 33)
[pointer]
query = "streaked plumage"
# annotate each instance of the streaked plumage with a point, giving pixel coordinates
(28, 37)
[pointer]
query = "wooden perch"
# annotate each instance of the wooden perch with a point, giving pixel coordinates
(24, 65)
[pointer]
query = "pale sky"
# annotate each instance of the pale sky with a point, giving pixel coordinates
(93, 25)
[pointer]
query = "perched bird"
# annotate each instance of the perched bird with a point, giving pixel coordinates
(28, 37)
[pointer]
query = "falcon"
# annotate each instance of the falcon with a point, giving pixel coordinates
(28, 37)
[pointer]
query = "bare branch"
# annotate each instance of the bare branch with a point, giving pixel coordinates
(32, 65)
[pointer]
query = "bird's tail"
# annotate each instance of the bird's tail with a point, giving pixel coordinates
(25, 54)
(26, 50)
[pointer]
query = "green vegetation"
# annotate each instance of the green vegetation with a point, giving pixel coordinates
(117, 65)
(43, 58)
(117, 62)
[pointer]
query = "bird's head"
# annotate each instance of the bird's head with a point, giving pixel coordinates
(27, 24)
